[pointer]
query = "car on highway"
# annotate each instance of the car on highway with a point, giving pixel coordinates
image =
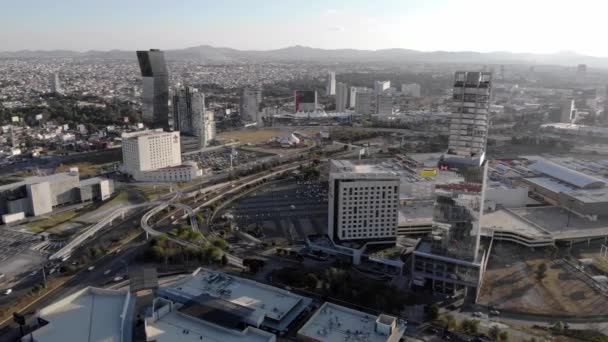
(494, 312)
(2, 275)
(91, 268)
(7, 292)
(106, 272)
(119, 278)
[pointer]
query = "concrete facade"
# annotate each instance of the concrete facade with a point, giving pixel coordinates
(362, 204)
(35, 196)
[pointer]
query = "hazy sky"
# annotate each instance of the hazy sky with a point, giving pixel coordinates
(542, 26)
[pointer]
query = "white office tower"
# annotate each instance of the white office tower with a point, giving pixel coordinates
(341, 97)
(384, 104)
(353, 95)
(155, 156)
(365, 103)
(54, 84)
(568, 112)
(250, 104)
(410, 90)
(363, 202)
(331, 84)
(381, 86)
(207, 128)
(469, 119)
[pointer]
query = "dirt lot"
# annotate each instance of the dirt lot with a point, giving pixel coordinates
(511, 283)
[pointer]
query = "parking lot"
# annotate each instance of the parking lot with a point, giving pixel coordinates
(219, 160)
(14, 242)
(15, 254)
(287, 210)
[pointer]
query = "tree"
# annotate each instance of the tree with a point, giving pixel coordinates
(503, 335)
(157, 252)
(541, 271)
(448, 321)
(220, 243)
(470, 326)
(558, 327)
(494, 332)
(432, 311)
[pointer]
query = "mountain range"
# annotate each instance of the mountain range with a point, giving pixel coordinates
(210, 54)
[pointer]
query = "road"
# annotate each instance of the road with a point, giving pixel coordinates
(114, 262)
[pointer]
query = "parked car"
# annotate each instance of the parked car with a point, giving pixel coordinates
(477, 314)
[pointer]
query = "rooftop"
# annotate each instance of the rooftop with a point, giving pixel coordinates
(172, 327)
(90, 314)
(56, 177)
(337, 323)
(505, 220)
(418, 212)
(561, 223)
(376, 167)
(278, 306)
(567, 175)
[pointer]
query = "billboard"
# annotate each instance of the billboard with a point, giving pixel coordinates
(38, 117)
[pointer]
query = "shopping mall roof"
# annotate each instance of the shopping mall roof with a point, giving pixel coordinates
(567, 175)
(91, 314)
(337, 323)
(279, 307)
(176, 326)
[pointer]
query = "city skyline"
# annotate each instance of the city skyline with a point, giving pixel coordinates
(334, 24)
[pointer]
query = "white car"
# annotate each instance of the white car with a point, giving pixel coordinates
(91, 268)
(106, 272)
(8, 292)
(477, 314)
(117, 279)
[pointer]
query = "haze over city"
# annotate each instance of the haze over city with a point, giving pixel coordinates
(540, 26)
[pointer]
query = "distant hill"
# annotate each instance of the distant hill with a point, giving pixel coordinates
(210, 54)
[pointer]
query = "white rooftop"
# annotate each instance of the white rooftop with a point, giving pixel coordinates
(275, 303)
(171, 327)
(505, 220)
(337, 323)
(91, 314)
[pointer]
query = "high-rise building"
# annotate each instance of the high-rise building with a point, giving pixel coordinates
(363, 202)
(54, 83)
(190, 117)
(365, 103)
(568, 112)
(331, 84)
(155, 78)
(412, 90)
(341, 97)
(250, 104)
(352, 101)
(581, 73)
(384, 104)
(451, 260)
(469, 119)
(154, 155)
(305, 100)
(381, 86)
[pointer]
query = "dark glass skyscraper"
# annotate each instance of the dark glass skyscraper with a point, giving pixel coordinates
(155, 78)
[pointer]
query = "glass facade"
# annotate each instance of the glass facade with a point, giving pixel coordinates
(155, 106)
